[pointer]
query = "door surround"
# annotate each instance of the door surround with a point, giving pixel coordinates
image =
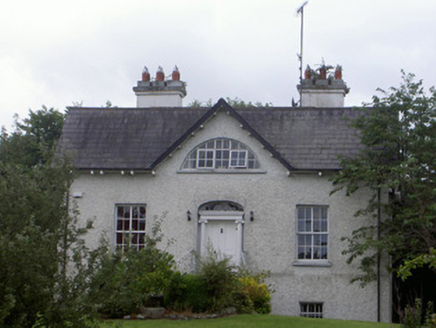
(222, 211)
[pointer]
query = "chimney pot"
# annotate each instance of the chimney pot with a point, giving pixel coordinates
(176, 74)
(338, 72)
(307, 73)
(145, 75)
(160, 76)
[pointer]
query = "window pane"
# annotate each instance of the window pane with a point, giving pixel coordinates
(301, 253)
(316, 225)
(134, 225)
(324, 240)
(324, 225)
(316, 213)
(120, 239)
(142, 212)
(301, 226)
(308, 213)
(324, 253)
(142, 225)
(308, 253)
(316, 253)
(324, 213)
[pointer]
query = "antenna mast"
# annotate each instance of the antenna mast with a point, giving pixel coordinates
(300, 10)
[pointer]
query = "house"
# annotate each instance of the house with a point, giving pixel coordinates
(251, 182)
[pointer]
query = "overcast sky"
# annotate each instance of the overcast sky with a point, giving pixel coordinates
(60, 52)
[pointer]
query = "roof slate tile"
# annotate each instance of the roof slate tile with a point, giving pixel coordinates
(140, 138)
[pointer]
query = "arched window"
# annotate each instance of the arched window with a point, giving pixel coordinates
(221, 154)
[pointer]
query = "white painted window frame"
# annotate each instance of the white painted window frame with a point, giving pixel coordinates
(312, 233)
(206, 158)
(236, 151)
(128, 233)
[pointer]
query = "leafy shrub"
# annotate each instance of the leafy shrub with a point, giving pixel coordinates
(187, 292)
(413, 316)
(219, 277)
(430, 317)
(253, 295)
(175, 295)
(218, 284)
(126, 280)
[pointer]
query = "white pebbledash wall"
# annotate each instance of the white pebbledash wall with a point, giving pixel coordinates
(269, 240)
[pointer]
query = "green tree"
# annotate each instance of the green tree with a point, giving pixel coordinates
(39, 237)
(34, 139)
(398, 133)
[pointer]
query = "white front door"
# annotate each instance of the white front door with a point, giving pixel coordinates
(222, 232)
(222, 237)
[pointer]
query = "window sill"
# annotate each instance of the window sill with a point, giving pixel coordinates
(312, 263)
(224, 171)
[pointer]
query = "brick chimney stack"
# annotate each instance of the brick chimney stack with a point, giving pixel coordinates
(320, 89)
(160, 92)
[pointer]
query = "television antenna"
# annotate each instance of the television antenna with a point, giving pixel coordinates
(300, 10)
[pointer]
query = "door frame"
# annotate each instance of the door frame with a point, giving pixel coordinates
(237, 217)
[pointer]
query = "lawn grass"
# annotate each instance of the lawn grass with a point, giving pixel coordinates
(248, 321)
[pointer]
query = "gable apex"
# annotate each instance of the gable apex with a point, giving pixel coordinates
(245, 125)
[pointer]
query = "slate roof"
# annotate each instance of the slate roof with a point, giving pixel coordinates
(141, 138)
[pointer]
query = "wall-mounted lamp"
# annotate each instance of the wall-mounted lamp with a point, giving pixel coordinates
(188, 215)
(251, 216)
